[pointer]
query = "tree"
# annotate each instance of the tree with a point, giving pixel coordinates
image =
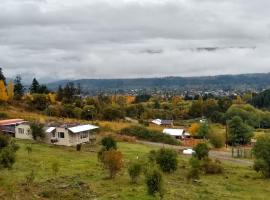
(134, 171)
(203, 130)
(167, 159)
(2, 77)
(154, 182)
(193, 129)
(112, 113)
(261, 151)
(113, 161)
(3, 92)
(37, 130)
(34, 88)
(18, 88)
(39, 101)
(60, 93)
(239, 132)
(109, 143)
(89, 112)
(10, 90)
(7, 152)
(201, 151)
(194, 170)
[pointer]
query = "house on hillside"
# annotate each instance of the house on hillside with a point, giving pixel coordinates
(161, 122)
(8, 126)
(68, 134)
(177, 133)
(23, 131)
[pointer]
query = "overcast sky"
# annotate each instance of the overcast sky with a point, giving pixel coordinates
(71, 39)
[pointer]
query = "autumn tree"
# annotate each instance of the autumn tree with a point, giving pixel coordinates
(113, 161)
(10, 90)
(3, 92)
(193, 129)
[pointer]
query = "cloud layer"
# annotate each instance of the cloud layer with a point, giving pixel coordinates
(63, 39)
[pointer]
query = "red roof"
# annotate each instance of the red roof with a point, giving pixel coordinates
(8, 122)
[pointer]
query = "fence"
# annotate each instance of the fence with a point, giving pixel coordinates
(241, 152)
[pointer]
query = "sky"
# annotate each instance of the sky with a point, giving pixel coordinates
(74, 39)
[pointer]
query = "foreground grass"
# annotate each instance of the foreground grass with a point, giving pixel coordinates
(81, 177)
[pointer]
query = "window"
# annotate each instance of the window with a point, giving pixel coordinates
(84, 135)
(61, 135)
(53, 134)
(21, 130)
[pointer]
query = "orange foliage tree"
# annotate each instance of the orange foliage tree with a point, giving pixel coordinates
(10, 90)
(3, 92)
(113, 161)
(193, 129)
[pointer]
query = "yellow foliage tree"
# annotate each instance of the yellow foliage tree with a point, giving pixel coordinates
(52, 98)
(10, 90)
(193, 129)
(3, 92)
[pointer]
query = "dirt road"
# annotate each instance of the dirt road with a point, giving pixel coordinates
(221, 155)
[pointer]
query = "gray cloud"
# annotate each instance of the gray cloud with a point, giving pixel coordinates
(53, 39)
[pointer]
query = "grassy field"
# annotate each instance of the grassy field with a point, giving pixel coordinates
(82, 177)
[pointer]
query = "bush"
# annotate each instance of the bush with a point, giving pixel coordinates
(7, 152)
(194, 170)
(154, 182)
(143, 133)
(109, 143)
(261, 151)
(211, 167)
(201, 151)
(113, 161)
(55, 168)
(37, 130)
(29, 149)
(134, 171)
(217, 139)
(167, 159)
(29, 178)
(3, 115)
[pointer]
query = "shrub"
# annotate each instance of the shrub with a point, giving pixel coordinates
(154, 182)
(261, 151)
(7, 152)
(201, 151)
(143, 133)
(194, 170)
(167, 159)
(29, 149)
(55, 168)
(37, 130)
(109, 143)
(216, 139)
(211, 167)
(134, 171)
(29, 178)
(3, 115)
(113, 161)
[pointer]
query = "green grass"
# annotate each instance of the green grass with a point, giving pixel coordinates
(82, 177)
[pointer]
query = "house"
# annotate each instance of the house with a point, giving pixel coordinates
(161, 122)
(23, 131)
(177, 133)
(8, 126)
(68, 134)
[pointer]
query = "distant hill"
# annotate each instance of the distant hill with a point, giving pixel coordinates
(242, 81)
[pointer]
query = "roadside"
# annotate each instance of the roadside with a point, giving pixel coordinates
(226, 156)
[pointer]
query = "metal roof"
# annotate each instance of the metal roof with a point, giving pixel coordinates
(174, 132)
(81, 128)
(50, 129)
(9, 122)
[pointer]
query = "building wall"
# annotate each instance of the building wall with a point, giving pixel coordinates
(23, 131)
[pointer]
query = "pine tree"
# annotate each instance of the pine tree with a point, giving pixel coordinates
(18, 88)
(2, 77)
(3, 92)
(10, 90)
(34, 86)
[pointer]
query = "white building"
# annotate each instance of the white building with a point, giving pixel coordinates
(177, 133)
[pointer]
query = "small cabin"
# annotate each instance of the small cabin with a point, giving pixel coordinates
(177, 133)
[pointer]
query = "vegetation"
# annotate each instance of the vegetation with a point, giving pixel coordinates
(108, 143)
(146, 134)
(201, 151)
(166, 159)
(37, 130)
(134, 171)
(261, 151)
(154, 182)
(7, 152)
